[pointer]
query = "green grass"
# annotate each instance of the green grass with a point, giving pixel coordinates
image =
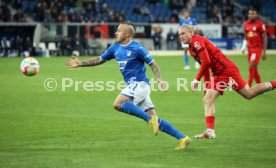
(43, 129)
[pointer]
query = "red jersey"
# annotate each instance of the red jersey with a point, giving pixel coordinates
(253, 32)
(209, 56)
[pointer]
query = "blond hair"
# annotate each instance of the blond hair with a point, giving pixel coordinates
(130, 28)
(190, 28)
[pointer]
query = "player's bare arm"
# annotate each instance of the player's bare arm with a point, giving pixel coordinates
(156, 70)
(264, 37)
(75, 62)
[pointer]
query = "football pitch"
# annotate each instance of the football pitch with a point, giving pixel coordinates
(76, 126)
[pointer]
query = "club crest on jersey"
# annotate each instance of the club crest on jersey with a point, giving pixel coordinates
(197, 45)
(128, 53)
(254, 28)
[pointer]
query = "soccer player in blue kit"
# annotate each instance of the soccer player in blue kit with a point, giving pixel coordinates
(190, 21)
(135, 98)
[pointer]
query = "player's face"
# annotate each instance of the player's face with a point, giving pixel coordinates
(252, 15)
(185, 35)
(186, 14)
(121, 34)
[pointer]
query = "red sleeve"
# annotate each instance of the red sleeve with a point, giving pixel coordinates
(262, 27)
(207, 75)
(205, 62)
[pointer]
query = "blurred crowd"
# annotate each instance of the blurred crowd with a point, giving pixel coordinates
(157, 11)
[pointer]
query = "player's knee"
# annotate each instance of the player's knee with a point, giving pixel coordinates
(117, 106)
(248, 96)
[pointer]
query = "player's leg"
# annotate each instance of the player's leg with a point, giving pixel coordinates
(257, 75)
(186, 57)
(186, 60)
(260, 88)
(168, 128)
(124, 104)
(210, 110)
(124, 101)
(142, 100)
(254, 59)
(252, 70)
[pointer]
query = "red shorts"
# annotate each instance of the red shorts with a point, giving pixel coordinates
(231, 79)
(254, 55)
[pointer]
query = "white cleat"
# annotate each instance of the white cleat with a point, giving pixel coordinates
(207, 134)
(187, 67)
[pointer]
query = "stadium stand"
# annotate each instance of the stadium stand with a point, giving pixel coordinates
(224, 12)
(146, 11)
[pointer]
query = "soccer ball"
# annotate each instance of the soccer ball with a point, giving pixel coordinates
(29, 66)
(75, 53)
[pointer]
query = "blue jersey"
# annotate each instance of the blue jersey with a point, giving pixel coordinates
(131, 59)
(190, 21)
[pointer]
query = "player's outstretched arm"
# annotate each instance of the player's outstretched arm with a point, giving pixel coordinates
(156, 70)
(75, 62)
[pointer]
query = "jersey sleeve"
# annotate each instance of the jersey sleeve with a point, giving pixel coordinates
(205, 64)
(262, 27)
(202, 53)
(144, 55)
(198, 45)
(108, 54)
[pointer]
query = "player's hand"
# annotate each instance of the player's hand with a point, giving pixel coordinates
(263, 55)
(194, 85)
(73, 63)
(163, 85)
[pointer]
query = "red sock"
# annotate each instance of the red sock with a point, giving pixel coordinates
(257, 76)
(251, 75)
(210, 122)
(273, 83)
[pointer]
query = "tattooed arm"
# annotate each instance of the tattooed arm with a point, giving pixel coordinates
(156, 70)
(75, 62)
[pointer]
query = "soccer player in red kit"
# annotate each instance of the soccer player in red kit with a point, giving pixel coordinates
(225, 73)
(256, 38)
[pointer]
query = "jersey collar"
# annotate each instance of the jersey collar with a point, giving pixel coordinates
(126, 44)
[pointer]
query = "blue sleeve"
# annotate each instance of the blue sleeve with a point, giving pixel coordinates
(108, 54)
(144, 55)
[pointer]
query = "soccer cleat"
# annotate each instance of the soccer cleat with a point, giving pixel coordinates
(153, 122)
(183, 143)
(207, 134)
(187, 67)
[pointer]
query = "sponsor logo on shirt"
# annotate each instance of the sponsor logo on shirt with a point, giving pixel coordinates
(122, 64)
